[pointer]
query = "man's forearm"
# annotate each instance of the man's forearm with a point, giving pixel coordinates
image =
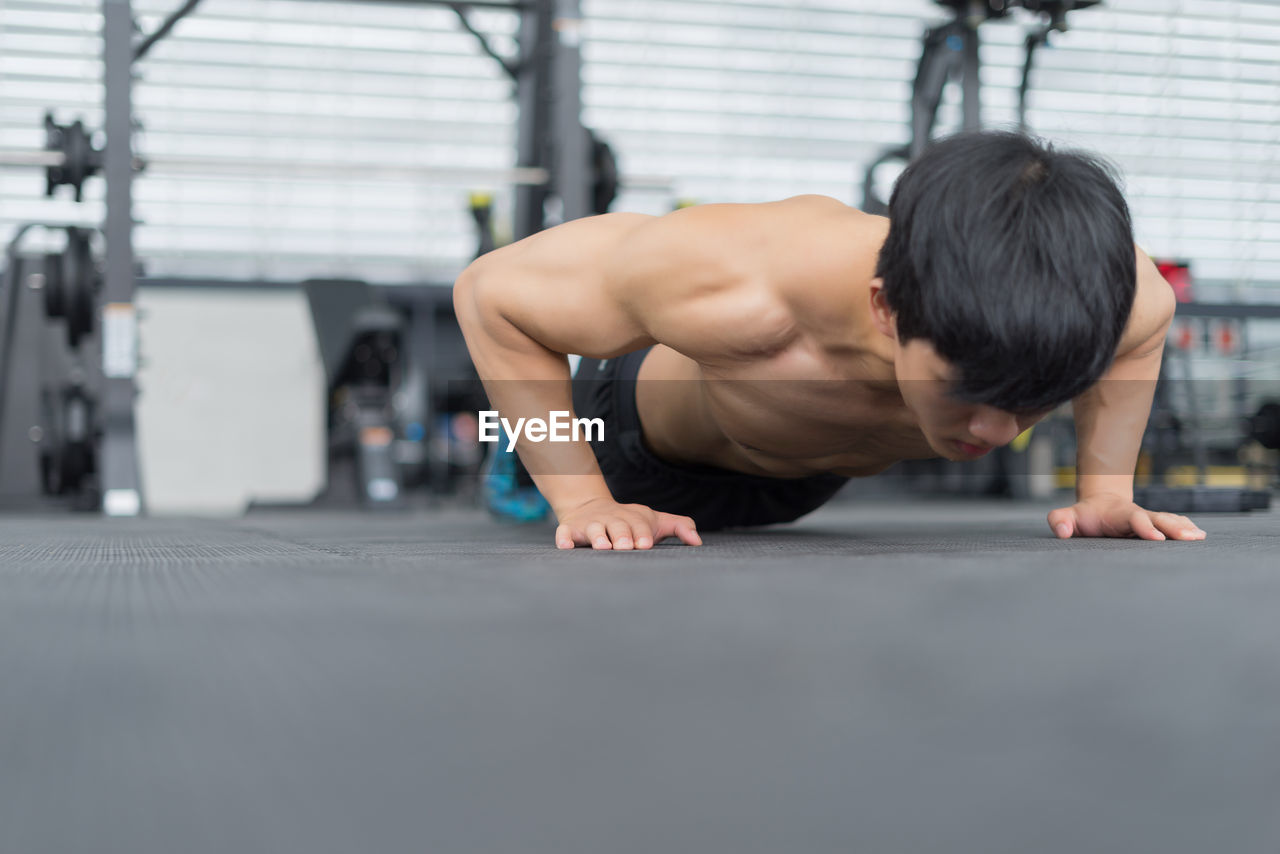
(1105, 460)
(1110, 421)
(524, 379)
(566, 472)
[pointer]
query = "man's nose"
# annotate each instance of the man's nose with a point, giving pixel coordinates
(994, 427)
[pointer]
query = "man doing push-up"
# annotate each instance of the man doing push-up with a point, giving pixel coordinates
(747, 359)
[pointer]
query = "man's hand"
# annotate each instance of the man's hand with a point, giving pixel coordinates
(1117, 516)
(605, 524)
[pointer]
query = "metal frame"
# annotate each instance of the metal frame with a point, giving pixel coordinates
(948, 50)
(952, 49)
(551, 142)
(550, 133)
(1233, 310)
(118, 469)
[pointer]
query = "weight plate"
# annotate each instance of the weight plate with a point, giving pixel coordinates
(80, 284)
(54, 293)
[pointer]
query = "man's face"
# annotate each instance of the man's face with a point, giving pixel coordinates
(954, 429)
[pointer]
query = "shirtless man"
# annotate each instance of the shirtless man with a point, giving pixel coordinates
(746, 359)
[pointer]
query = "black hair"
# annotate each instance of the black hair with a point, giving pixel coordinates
(1015, 261)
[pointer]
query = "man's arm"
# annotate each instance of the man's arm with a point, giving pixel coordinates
(1111, 418)
(601, 287)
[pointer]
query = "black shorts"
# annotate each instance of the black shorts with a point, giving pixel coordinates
(714, 497)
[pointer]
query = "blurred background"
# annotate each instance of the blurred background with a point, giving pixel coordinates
(311, 176)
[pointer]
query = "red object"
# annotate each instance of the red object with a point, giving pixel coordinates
(1227, 339)
(1184, 335)
(1178, 275)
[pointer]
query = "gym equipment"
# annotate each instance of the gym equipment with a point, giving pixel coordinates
(604, 189)
(950, 50)
(363, 400)
(68, 443)
(362, 345)
(556, 157)
(1201, 499)
(604, 169)
(70, 280)
(68, 435)
(78, 161)
(71, 283)
(1165, 436)
(1168, 435)
(1264, 425)
(9, 284)
(69, 159)
(482, 211)
(163, 30)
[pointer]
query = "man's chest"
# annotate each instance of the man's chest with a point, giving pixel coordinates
(800, 412)
(794, 427)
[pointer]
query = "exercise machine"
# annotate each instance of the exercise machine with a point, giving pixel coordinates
(361, 342)
(1177, 427)
(563, 172)
(69, 428)
(951, 50)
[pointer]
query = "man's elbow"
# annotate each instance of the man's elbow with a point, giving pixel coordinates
(462, 292)
(469, 297)
(481, 306)
(469, 275)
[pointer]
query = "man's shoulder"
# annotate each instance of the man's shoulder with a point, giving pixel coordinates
(731, 281)
(825, 256)
(813, 209)
(1153, 307)
(817, 201)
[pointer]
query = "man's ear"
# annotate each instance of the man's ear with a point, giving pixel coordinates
(881, 314)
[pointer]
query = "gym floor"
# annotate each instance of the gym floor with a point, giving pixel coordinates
(881, 677)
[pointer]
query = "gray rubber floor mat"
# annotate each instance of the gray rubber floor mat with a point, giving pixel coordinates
(908, 677)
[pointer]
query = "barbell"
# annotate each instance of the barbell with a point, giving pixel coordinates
(69, 158)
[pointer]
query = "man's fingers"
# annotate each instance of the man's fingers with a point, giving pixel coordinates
(1111, 516)
(632, 527)
(597, 536)
(570, 536)
(619, 533)
(1062, 521)
(1178, 527)
(687, 532)
(678, 526)
(1140, 522)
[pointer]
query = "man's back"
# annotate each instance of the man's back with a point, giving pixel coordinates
(715, 282)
